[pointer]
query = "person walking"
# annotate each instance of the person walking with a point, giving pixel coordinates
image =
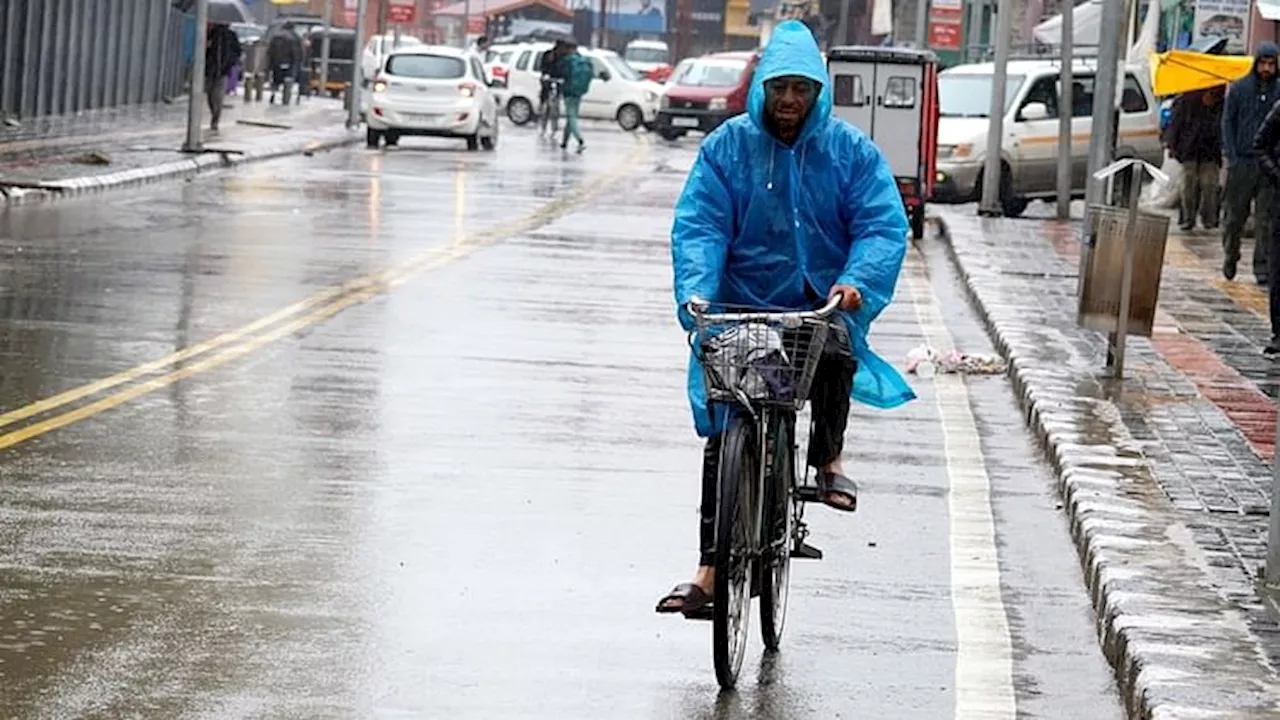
(578, 72)
(1195, 141)
(1248, 101)
(222, 52)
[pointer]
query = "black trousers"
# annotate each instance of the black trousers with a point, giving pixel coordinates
(829, 405)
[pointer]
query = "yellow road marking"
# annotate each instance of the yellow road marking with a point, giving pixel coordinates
(326, 304)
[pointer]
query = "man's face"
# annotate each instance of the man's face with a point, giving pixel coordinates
(1266, 67)
(787, 102)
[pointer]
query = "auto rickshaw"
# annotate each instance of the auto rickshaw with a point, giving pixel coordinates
(891, 94)
(342, 59)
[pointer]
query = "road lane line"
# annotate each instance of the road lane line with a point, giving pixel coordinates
(360, 291)
(984, 645)
(378, 279)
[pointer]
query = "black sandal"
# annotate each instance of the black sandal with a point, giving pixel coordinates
(833, 484)
(694, 601)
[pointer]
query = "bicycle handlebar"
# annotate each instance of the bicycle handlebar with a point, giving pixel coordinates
(698, 307)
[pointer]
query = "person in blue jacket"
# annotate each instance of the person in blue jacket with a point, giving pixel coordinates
(785, 207)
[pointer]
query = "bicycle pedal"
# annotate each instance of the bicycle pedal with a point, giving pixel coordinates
(805, 551)
(809, 493)
(706, 612)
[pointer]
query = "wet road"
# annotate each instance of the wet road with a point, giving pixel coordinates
(403, 434)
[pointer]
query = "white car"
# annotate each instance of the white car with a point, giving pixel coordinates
(646, 56)
(617, 93)
(377, 49)
(432, 91)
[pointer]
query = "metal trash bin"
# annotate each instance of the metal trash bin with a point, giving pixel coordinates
(1099, 307)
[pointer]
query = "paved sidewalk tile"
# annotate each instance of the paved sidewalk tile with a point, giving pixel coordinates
(1198, 405)
(132, 138)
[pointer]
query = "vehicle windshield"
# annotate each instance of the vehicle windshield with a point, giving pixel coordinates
(620, 68)
(969, 95)
(712, 73)
(426, 67)
(646, 55)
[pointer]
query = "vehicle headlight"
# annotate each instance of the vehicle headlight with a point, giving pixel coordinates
(718, 104)
(379, 86)
(664, 102)
(650, 96)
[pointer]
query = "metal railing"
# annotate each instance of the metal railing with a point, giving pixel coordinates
(64, 56)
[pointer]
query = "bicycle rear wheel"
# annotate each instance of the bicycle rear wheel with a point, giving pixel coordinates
(736, 522)
(777, 527)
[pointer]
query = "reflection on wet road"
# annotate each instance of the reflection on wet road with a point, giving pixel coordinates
(403, 434)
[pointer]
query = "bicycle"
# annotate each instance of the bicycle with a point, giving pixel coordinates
(551, 108)
(760, 363)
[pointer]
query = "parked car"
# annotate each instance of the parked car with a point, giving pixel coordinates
(1029, 149)
(704, 93)
(433, 91)
(617, 93)
(650, 58)
(497, 62)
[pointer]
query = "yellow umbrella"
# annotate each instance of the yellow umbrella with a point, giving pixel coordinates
(1179, 71)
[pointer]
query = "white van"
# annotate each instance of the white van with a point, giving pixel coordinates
(617, 93)
(1029, 149)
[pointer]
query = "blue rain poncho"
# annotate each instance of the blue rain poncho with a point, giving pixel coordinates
(758, 220)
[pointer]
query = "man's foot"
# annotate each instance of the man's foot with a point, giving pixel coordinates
(582, 145)
(564, 145)
(1261, 280)
(1186, 226)
(838, 491)
(1272, 350)
(689, 598)
(1229, 269)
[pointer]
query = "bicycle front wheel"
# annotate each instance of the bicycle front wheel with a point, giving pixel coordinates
(736, 522)
(777, 528)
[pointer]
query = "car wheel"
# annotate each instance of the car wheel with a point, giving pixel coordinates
(519, 110)
(630, 117)
(671, 135)
(473, 142)
(372, 138)
(393, 139)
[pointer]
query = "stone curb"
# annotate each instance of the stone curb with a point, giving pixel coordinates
(1179, 649)
(74, 187)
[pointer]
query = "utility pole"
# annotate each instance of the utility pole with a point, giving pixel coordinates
(1066, 110)
(324, 48)
(466, 23)
(842, 27)
(195, 102)
(995, 125)
(1102, 136)
(357, 77)
(922, 24)
(602, 39)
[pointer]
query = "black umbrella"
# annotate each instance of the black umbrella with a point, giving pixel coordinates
(220, 11)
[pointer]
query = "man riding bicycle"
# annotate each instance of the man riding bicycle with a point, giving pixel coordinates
(787, 207)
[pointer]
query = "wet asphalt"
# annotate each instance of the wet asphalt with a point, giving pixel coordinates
(427, 454)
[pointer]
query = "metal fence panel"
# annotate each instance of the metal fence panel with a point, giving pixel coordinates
(65, 56)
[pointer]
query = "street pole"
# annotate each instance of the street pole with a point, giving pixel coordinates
(604, 21)
(357, 77)
(1102, 135)
(995, 127)
(324, 47)
(842, 27)
(1066, 111)
(922, 24)
(466, 22)
(195, 103)
(1271, 572)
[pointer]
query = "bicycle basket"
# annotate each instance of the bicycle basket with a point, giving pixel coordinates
(761, 361)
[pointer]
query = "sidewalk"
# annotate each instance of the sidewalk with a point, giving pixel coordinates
(142, 144)
(1165, 479)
